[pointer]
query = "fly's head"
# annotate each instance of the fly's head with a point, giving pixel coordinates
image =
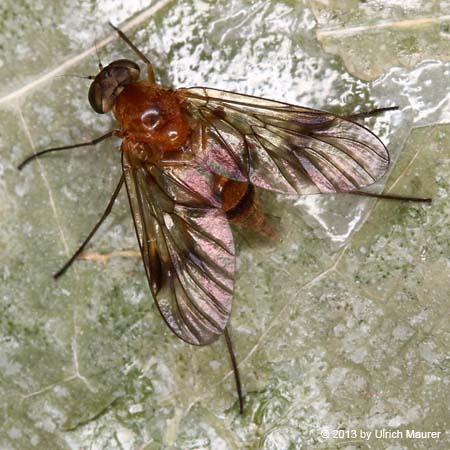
(109, 83)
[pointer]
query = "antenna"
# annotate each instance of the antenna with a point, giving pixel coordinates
(100, 65)
(89, 77)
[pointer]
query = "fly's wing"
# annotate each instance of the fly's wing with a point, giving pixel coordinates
(282, 147)
(186, 246)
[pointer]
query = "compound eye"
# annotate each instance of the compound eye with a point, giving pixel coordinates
(130, 66)
(96, 98)
(109, 83)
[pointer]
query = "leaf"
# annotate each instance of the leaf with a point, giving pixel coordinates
(370, 40)
(340, 320)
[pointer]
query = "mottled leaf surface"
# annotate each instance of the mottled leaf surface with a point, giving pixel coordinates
(341, 322)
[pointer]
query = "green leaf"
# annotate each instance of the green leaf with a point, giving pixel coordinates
(340, 322)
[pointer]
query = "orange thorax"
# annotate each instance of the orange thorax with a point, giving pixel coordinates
(152, 115)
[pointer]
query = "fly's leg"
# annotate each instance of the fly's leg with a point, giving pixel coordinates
(111, 201)
(390, 197)
(66, 147)
(237, 378)
(371, 113)
(375, 112)
(97, 225)
(150, 71)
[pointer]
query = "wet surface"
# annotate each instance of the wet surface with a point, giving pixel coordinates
(340, 322)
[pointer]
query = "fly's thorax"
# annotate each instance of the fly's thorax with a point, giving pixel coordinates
(153, 115)
(140, 153)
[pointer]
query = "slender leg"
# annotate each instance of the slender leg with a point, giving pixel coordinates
(373, 112)
(172, 162)
(66, 147)
(235, 370)
(86, 241)
(151, 73)
(390, 197)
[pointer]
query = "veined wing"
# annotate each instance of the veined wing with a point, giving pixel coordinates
(282, 147)
(186, 245)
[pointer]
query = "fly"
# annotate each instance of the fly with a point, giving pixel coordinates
(191, 160)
